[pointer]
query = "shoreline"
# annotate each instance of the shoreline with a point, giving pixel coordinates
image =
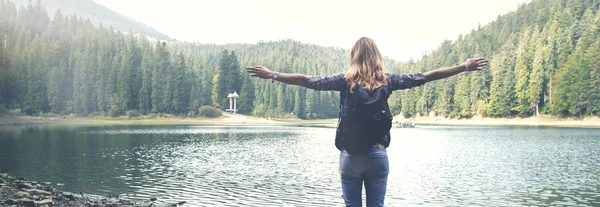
(225, 120)
(243, 120)
(545, 121)
(20, 192)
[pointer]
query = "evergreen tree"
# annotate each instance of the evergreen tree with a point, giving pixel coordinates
(245, 103)
(5, 75)
(522, 70)
(146, 68)
(224, 82)
(215, 91)
(125, 78)
(536, 82)
(300, 107)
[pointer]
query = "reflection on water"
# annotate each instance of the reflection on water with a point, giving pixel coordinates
(298, 166)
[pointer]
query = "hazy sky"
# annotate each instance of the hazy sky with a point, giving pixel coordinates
(401, 28)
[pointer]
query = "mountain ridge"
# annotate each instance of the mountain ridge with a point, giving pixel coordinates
(97, 13)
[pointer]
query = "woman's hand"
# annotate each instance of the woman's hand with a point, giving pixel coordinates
(260, 71)
(473, 64)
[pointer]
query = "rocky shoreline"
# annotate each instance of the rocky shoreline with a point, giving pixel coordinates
(19, 192)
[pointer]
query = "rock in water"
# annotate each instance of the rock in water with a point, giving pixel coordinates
(28, 203)
(69, 196)
(22, 201)
(47, 202)
(153, 199)
(22, 185)
(10, 202)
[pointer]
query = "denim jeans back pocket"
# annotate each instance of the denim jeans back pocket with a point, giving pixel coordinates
(378, 150)
(351, 165)
(378, 163)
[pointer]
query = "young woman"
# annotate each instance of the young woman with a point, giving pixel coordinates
(370, 167)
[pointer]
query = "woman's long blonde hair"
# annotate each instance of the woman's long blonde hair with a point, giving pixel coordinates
(366, 66)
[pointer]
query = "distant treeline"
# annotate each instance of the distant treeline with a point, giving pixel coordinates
(544, 59)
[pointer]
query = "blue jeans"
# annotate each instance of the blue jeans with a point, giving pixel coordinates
(372, 168)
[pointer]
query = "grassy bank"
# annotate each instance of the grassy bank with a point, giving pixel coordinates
(242, 120)
(225, 120)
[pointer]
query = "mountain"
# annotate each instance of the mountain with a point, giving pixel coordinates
(96, 13)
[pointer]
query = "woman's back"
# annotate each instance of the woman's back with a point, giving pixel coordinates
(364, 90)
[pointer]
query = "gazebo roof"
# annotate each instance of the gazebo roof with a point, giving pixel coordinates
(233, 95)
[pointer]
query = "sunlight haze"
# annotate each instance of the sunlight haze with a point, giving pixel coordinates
(402, 29)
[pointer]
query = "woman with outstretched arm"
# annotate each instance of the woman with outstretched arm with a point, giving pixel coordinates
(370, 166)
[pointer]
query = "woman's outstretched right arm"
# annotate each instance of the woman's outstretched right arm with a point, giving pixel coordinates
(265, 73)
(319, 83)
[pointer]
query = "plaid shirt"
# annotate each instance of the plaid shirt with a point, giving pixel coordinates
(338, 83)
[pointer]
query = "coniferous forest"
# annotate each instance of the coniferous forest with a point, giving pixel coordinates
(545, 59)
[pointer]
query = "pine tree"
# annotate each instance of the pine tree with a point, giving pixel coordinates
(462, 102)
(281, 92)
(522, 70)
(247, 96)
(215, 91)
(536, 82)
(147, 67)
(125, 78)
(180, 86)
(503, 81)
(234, 69)
(300, 104)
(5, 75)
(224, 83)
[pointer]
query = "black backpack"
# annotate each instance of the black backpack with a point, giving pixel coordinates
(366, 120)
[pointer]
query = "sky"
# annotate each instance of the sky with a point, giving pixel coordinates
(402, 29)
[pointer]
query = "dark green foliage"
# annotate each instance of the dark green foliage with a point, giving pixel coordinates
(6, 78)
(245, 103)
(544, 60)
(230, 79)
(209, 112)
(133, 113)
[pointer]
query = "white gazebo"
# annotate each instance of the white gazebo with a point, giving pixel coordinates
(233, 102)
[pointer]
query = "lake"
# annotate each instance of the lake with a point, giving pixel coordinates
(298, 166)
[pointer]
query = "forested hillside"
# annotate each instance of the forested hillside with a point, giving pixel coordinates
(544, 59)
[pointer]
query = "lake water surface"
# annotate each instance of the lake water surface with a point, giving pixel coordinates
(298, 166)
